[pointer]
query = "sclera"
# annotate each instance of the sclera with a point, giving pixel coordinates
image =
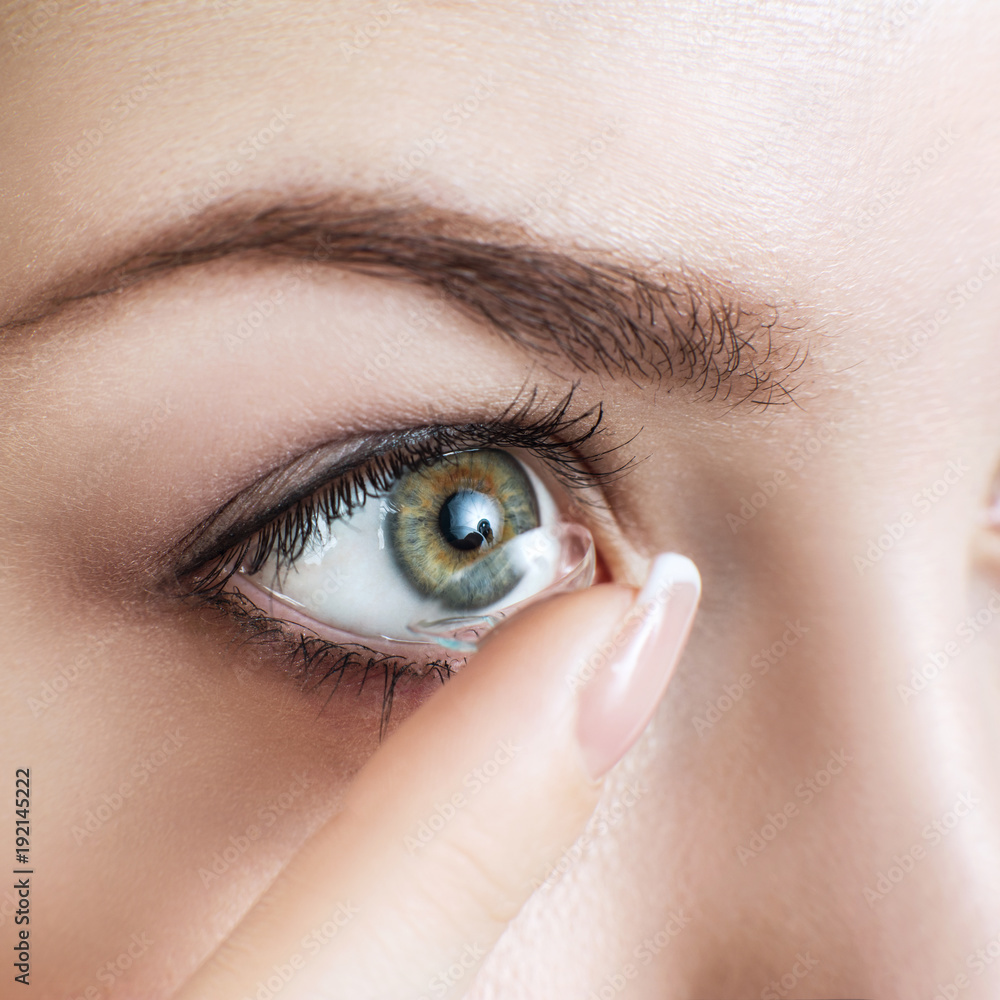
(345, 582)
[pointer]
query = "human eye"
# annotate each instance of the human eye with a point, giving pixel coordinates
(398, 551)
(437, 556)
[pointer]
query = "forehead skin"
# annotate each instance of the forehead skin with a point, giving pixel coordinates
(838, 158)
(747, 140)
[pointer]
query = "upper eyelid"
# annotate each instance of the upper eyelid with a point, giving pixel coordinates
(284, 487)
(232, 523)
(279, 491)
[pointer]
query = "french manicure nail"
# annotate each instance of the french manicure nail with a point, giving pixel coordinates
(631, 669)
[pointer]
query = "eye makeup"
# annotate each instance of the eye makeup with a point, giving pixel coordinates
(414, 490)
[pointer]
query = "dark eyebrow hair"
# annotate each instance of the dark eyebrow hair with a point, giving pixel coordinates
(603, 314)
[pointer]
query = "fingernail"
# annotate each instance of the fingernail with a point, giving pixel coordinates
(630, 670)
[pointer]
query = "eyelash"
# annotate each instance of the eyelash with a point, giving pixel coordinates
(567, 444)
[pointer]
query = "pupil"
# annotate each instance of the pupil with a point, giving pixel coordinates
(470, 520)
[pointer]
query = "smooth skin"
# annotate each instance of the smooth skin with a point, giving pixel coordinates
(803, 817)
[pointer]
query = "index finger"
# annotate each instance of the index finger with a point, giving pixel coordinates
(452, 823)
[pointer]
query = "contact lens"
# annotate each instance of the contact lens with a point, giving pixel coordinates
(449, 549)
(546, 561)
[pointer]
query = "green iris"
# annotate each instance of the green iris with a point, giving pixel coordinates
(449, 523)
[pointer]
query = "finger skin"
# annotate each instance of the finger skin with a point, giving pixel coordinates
(443, 834)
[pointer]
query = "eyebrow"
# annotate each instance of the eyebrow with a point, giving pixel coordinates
(600, 313)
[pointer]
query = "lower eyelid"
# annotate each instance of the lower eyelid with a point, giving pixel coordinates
(419, 659)
(316, 662)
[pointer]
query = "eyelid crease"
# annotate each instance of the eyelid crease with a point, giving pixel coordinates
(550, 431)
(273, 494)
